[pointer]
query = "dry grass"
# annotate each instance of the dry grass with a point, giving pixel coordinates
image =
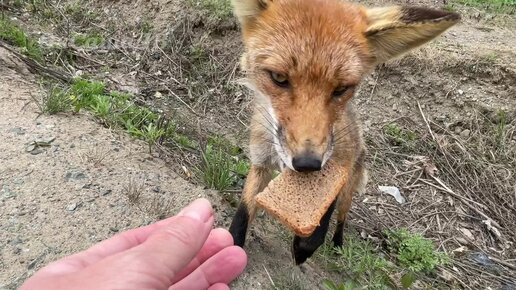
(460, 192)
(157, 205)
(134, 190)
(437, 57)
(94, 155)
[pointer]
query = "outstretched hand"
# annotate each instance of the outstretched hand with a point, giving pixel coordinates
(181, 252)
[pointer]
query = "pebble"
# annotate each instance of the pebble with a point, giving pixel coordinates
(15, 241)
(6, 192)
(36, 151)
(18, 131)
(72, 206)
(465, 133)
(74, 175)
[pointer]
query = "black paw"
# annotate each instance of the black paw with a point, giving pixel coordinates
(238, 238)
(238, 228)
(338, 236)
(302, 250)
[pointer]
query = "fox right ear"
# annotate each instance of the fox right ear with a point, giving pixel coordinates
(247, 10)
(393, 31)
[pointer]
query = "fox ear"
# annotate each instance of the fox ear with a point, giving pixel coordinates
(392, 31)
(247, 10)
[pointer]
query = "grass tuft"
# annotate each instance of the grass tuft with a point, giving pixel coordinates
(359, 261)
(113, 109)
(222, 165)
(220, 9)
(414, 252)
(14, 35)
(56, 101)
(215, 168)
(399, 136)
(88, 40)
(498, 6)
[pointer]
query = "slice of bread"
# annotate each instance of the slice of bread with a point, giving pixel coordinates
(299, 200)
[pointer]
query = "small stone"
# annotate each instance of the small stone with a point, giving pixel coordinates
(36, 151)
(30, 147)
(113, 229)
(6, 192)
(15, 241)
(45, 141)
(72, 206)
(106, 192)
(74, 175)
(465, 133)
(18, 131)
(461, 92)
(467, 233)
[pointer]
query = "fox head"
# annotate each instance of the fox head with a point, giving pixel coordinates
(305, 58)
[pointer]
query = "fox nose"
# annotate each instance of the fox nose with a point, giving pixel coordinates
(306, 163)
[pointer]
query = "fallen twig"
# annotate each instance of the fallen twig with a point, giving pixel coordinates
(35, 66)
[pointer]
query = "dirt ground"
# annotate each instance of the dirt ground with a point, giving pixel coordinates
(64, 197)
(61, 198)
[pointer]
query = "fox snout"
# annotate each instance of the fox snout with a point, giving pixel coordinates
(307, 162)
(306, 153)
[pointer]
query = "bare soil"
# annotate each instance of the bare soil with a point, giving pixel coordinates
(59, 199)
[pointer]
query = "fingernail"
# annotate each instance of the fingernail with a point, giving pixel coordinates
(199, 210)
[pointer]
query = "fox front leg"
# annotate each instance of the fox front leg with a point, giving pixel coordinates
(256, 181)
(304, 248)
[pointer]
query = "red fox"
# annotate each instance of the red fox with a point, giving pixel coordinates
(303, 61)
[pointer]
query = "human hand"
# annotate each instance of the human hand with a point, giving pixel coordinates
(181, 252)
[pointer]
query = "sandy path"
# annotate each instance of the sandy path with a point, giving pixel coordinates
(59, 199)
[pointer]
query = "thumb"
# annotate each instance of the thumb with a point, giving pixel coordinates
(171, 249)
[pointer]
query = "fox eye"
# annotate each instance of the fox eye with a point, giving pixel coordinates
(279, 79)
(340, 91)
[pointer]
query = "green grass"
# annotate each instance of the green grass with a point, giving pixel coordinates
(222, 164)
(57, 101)
(414, 252)
(78, 13)
(220, 9)
(14, 35)
(88, 40)
(362, 264)
(116, 109)
(499, 6)
(112, 108)
(359, 262)
(185, 142)
(331, 285)
(399, 136)
(215, 168)
(501, 130)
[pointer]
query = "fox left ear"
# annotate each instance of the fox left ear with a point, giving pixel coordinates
(247, 10)
(393, 31)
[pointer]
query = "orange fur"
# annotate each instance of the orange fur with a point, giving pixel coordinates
(321, 47)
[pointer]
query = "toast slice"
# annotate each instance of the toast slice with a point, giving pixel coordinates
(299, 200)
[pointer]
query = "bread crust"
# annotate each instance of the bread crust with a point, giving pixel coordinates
(299, 200)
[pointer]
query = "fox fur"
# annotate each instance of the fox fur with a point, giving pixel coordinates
(303, 61)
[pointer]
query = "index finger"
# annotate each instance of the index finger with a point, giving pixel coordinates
(114, 245)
